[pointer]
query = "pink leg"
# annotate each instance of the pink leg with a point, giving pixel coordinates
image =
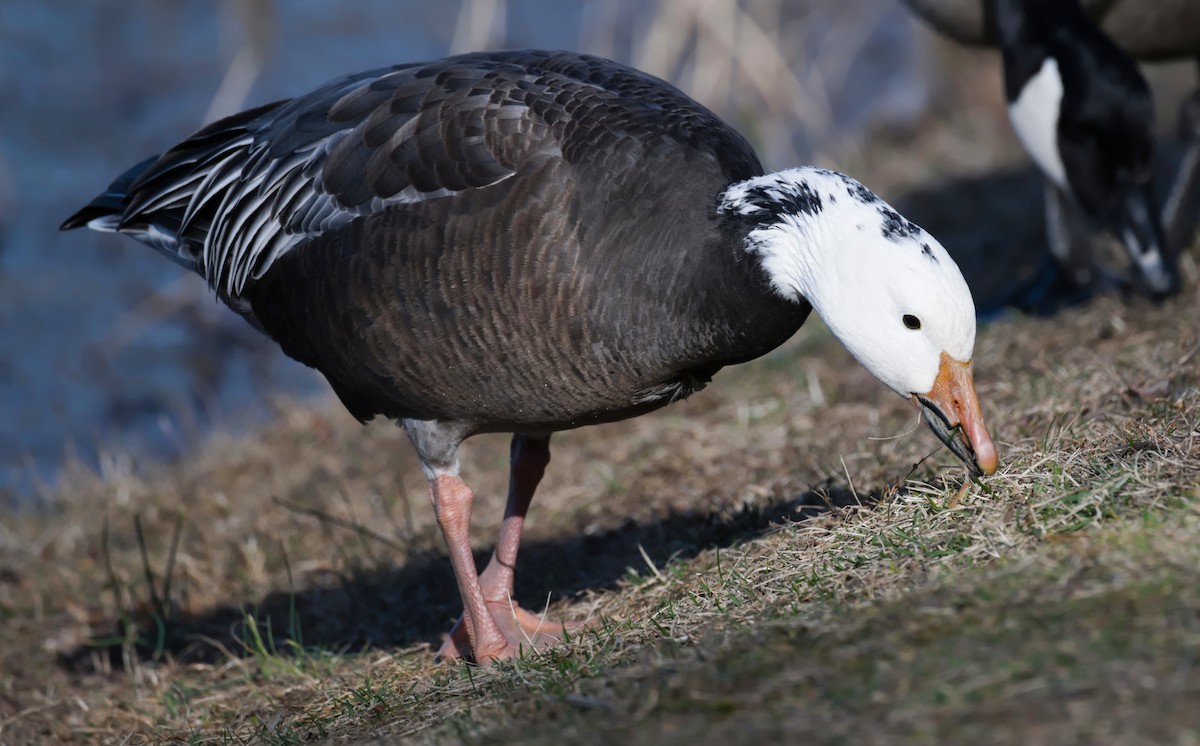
(529, 457)
(452, 502)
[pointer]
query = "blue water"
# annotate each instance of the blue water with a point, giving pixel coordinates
(104, 346)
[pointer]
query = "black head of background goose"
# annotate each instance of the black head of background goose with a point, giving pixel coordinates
(532, 241)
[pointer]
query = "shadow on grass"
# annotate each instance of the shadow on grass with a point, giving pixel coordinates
(395, 606)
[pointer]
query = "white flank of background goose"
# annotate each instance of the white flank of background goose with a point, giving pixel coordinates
(532, 241)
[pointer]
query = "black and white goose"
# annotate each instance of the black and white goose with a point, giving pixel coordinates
(532, 241)
(1084, 112)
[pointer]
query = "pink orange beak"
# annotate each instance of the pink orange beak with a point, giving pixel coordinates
(951, 409)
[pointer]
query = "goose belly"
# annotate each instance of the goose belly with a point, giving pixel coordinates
(491, 355)
(518, 336)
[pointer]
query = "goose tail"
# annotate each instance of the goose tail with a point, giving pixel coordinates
(107, 213)
(104, 212)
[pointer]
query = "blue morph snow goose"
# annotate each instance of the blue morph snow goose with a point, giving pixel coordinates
(532, 241)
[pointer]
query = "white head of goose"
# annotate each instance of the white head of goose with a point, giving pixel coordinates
(532, 241)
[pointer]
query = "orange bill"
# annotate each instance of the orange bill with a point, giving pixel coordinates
(951, 409)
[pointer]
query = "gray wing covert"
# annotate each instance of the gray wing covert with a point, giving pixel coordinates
(243, 191)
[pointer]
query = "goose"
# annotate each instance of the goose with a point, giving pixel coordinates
(1084, 112)
(530, 241)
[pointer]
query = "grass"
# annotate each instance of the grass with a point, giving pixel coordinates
(758, 565)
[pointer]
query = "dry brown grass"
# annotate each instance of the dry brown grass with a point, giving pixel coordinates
(309, 582)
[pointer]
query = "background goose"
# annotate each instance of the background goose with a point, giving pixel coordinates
(532, 241)
(1085, 114)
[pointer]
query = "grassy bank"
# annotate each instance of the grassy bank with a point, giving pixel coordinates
(761, 561)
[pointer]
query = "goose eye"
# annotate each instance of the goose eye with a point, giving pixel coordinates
(912, 322)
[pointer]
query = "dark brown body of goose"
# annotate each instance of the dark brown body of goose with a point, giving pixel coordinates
(517, 241)
(540, 251)
(569, 294)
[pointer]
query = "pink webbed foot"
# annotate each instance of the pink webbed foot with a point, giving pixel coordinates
(521, 631)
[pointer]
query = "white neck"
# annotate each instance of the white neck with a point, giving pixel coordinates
(814, 225)
(791, 210)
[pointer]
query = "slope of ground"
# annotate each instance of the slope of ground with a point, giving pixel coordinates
(762, 560)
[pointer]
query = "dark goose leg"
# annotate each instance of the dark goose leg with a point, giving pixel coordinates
(1068, 276)
(1068, 238)
(1182, 206)
(529, 456)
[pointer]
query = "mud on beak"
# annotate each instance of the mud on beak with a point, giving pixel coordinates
(951, 409)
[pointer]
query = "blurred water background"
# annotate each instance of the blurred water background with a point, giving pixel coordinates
(112, 357)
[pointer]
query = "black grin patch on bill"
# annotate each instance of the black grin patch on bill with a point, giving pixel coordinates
(952, 436)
